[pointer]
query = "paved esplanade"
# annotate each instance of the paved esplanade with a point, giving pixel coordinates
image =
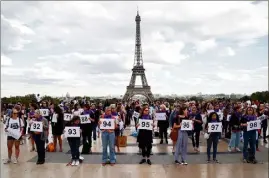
(128, 167)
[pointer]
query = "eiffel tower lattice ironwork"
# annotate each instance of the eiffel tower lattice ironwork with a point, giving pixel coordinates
(138, 70)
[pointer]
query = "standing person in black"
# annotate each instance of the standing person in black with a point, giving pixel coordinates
(87, 130)
(197, 127)
(163, 125)
(145, 138)
(57, 127)
(261, 111)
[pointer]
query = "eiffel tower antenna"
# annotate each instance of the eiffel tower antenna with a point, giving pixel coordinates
(138, 69)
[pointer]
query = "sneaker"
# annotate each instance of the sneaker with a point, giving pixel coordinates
(265, 141)
(166, 141)
(73, 163)
(149, 162)
(198, 149)
(161, 142)
(237, 149)
(258, 150)
(184, 163)
(77, 163)
(177, 162)
(254, 161)
(245, 161)
(208, 161)
(15, 161)
(229, 149)
(7, 161)
(215, 161)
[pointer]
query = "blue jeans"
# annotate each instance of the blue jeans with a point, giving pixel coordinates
(249, 138)
(213, 139)
(108, 140)
(235, 139)
(74, 144)
(181, 145)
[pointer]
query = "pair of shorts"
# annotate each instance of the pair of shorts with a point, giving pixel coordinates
(11, 138)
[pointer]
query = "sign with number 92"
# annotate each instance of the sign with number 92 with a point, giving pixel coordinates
(37, 126)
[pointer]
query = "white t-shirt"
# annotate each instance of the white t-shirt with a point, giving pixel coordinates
(14, 124)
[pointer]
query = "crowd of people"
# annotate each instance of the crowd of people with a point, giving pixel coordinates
(83, 121)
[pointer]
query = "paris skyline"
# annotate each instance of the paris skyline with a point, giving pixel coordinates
(87, 48)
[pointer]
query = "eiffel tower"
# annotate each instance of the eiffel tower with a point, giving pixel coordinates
(138, 70)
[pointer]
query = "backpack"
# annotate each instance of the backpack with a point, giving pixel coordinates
(9, 120)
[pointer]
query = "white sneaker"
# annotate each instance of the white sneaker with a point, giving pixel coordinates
(15, 161)
(7, 161)
(229, 149)
(77, 163)
(237, 149)
(73, 163)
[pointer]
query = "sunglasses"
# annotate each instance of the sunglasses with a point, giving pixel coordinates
(146, 110)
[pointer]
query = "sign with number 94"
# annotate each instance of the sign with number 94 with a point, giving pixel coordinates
(107, 124)
(145, 124)
(37, 126)
(215, 127)
(254, 125)
(72, 132)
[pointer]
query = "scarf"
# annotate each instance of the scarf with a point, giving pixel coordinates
(114, 114)
(108, 116)
(238, 115)
(146, 117)
(250, 117)
(85, 112)
(39, 119)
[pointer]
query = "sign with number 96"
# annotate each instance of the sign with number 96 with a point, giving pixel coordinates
(186, 125)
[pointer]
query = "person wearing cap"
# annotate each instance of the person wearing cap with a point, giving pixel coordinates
(40, 137)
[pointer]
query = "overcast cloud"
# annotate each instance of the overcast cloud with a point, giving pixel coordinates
(87, 48)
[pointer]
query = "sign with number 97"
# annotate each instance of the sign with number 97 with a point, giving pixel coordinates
(107, 124)
(215, 127)
(72, 132)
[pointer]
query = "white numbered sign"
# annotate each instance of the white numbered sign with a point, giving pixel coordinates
(136, 114)
(15, 133)
(85, 119)
(161, 116)
(72, 132)
(215, 127)
(145, 124)
(187, 125)
(107, 124)
(220, 116)
(228, 117)
(254, 125)
(37, 126)
(54, 118)
(67, 117)
(44, 112)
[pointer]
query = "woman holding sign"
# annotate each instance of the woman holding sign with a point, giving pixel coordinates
(14, 129)
(250, 126)
(163, 124)
(213, 127)
(182, 139)
(39, 126)
(107, 126)
(144, 137)
(57, 126)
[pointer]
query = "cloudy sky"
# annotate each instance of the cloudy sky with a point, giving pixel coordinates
(87, 48)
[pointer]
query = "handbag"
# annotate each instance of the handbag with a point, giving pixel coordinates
(174, 134)
(122, 141)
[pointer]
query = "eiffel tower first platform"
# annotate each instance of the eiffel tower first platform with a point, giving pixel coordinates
(138, 70)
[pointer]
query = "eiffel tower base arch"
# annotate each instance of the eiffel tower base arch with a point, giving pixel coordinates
(131, 91)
